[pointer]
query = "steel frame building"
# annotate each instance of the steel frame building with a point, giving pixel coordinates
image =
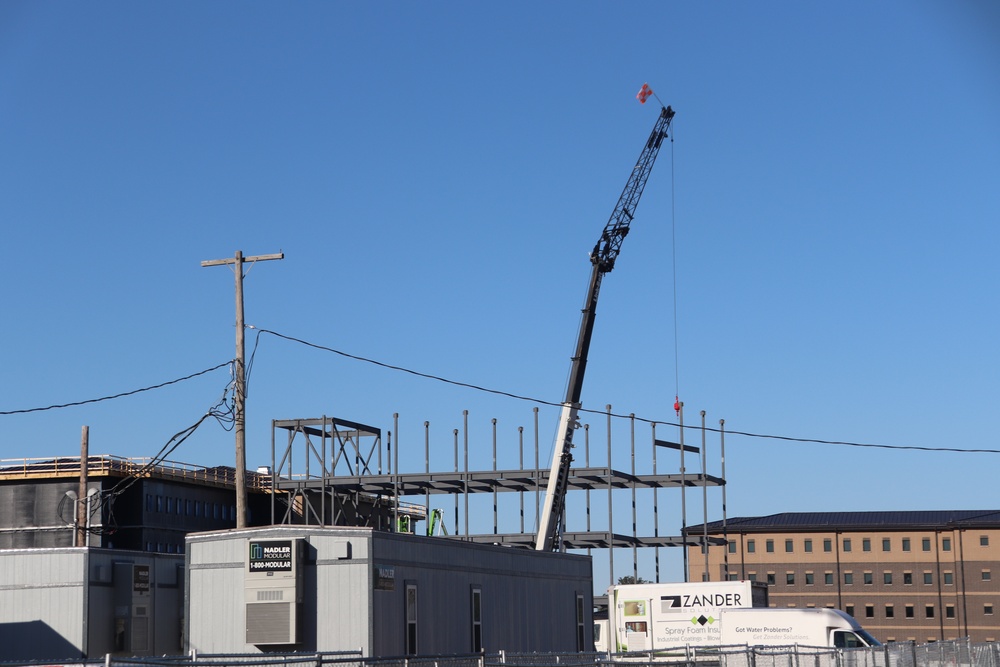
(322, 466)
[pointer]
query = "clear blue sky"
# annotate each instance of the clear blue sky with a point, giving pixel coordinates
(436, 174)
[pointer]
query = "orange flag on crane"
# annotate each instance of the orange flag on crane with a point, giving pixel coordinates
(644, 93)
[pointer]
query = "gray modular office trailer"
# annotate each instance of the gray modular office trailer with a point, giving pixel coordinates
(302, 588)
(79, 602)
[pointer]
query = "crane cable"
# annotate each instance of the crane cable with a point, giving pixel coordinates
(673, 243)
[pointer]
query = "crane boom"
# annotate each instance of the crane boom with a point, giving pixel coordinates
(602, 259)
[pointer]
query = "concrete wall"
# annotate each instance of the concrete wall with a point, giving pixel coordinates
(353, 588)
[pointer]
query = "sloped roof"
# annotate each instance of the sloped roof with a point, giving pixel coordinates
(830, 521)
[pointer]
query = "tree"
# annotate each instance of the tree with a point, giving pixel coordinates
(629, 579)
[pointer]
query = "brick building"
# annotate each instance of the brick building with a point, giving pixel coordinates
(920, 576)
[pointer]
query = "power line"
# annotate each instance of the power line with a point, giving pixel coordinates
(121, 395)
(521, 397)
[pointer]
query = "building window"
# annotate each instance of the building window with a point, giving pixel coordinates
(984, 540)
(848, 578)
(788, 546)
(149, 502)
(170, 505)
(733, 576)
(886, 544)
(887, 578)
(752, 576)
(866, 544)
(988, 609)
(949, 579)
(928, 578)
(847, 544)
(869, 611)
(986, 575)
(411, 619)
(906, 544)
(790, 578)
(159, 503)
(809, 578)
(827, 545)
(925, 544)
(890, 611)
(187, 507)
(849, 610)
(828, 578)
(769, 546)
(945, 544)
(868, 578)
(732, 546)
(929, 611)
(949, 611)
(909, 611)
(751, 547)
(807, 546)
(770, 578)
(907, 578)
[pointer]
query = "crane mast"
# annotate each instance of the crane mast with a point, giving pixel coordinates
(602, 259)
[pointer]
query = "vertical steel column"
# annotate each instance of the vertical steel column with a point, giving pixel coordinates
(684, 547)
(725, 528)
(395, 473)
(465, 447)
(520, 452)
(493, 422)
(455, 434)
(611, 514)
(427, 471)
(704, 496)
(635, 519)
(656, 513)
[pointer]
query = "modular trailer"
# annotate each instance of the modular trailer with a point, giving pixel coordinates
(313, 588)
(71, 603)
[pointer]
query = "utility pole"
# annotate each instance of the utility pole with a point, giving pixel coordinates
(239, 394)
(81, 498)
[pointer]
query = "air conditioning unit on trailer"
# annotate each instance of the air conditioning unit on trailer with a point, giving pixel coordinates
(273, 589)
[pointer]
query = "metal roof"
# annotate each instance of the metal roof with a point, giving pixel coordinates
(829, 521)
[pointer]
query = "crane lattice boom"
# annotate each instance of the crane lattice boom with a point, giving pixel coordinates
(602, 258)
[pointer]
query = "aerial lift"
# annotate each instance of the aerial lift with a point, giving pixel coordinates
(603, 259)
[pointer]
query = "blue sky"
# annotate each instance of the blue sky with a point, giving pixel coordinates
(436, 174)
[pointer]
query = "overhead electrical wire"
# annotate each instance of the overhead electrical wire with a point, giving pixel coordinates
(223, 411)
(121, 395)
(612, 414)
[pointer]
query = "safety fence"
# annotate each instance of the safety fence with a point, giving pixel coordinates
(958, 653)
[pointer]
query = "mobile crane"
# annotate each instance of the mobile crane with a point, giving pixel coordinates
(602, 258)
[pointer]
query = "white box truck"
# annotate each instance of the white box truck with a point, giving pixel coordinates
(645, 617)
(828, 628)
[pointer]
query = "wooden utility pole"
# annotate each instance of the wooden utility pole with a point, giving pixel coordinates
(239, 393)
(81, 498)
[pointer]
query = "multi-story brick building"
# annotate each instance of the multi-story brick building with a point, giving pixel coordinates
(921, 576)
